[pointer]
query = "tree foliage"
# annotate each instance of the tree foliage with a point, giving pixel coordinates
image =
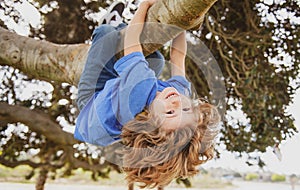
(256, 44)
(247, 45)
(260, 62)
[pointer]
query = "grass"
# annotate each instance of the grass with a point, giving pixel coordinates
(115, 179)
(82, 177)
(16, 174)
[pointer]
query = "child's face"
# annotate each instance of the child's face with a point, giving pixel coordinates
(174, 109)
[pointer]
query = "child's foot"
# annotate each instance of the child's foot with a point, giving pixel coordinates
(129, 10)
(114, 14)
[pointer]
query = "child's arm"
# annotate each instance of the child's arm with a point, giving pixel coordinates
(134, 29)
(177, 55)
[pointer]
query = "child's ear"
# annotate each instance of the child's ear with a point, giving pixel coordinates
(145, 112)
(144, 115)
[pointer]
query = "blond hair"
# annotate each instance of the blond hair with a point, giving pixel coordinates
(154, 157)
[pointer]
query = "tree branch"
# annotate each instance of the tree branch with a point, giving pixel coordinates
(36, 121)
(64, 63)
(13, 164)
(42, 59)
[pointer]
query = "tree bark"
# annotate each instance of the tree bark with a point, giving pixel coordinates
(64, 63)
(42, 59)
(36, 121)
(42, 178)
(173, 16)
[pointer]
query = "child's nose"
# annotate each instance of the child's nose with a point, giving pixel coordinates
(176, 102)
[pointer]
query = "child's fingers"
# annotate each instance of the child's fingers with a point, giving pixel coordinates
(150, 2)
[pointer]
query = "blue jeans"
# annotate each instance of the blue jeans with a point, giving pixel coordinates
(99, 66)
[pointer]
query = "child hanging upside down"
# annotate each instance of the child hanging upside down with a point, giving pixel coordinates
(165, 134)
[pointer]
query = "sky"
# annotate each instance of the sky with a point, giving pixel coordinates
(289, 163)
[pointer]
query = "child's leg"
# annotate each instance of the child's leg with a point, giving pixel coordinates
(101, 57)
(110, 37)
(99, 64)
(156, 62)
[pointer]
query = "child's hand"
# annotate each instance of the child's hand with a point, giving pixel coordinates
(148, 2)
(135, 27)
(151, 2)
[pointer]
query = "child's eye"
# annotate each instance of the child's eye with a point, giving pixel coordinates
(186, 109)
(170, 112)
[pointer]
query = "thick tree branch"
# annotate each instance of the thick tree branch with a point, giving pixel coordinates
(41, 59)
(64, 63)
(13, 164)
(172, 17)
(36, 121)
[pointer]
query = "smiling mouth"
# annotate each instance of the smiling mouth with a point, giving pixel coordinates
(171, 94)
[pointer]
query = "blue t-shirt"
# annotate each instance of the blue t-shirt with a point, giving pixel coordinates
(100, 121)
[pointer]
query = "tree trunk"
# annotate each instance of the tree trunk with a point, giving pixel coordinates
(64, 63)
(42, 178)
